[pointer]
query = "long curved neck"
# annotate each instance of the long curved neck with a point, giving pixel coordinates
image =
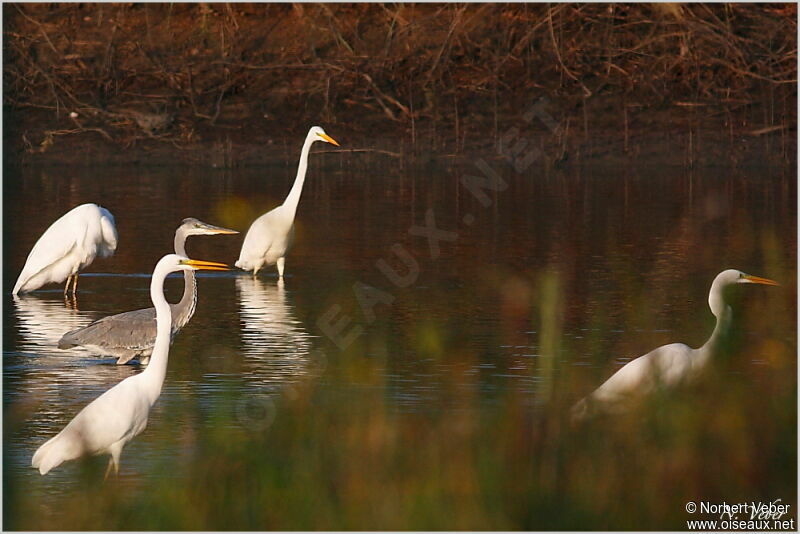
(153, 376)
(293, 198)
(720, 330)
(188, 303)
(722, 311)
(180, 242)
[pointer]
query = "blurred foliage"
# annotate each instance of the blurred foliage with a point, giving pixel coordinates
(328, 464)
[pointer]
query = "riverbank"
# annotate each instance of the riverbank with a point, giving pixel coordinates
(226, 85)
(683, 140)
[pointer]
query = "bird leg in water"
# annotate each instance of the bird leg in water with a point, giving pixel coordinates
(113, 461)
(108, 469)
(280, 263)
(74, 279)
(71, 302)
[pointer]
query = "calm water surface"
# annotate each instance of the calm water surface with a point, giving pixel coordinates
(622, 258)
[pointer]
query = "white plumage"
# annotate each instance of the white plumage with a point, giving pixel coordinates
(271, 235)
(118, 415)
(668, 365)
(268, 240)
(68, 246)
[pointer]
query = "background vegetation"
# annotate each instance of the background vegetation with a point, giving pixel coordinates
(403, 77)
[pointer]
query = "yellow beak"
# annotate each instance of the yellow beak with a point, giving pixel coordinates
(759, 280)
(329, 139)
(201, 265)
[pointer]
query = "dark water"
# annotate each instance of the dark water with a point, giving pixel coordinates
(571, 271)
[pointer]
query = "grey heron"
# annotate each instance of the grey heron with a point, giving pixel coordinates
(131, 334)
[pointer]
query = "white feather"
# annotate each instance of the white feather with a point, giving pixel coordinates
(68, 246)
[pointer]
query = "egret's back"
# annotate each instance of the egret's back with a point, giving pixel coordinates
(109, 237)
(667, 365)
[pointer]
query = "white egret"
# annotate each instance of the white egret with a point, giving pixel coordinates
(668, 365)
(114, 418)
(271, 235)
(67, 246)
(131, 334)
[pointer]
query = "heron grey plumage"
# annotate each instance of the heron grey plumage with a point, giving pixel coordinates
(132, 334)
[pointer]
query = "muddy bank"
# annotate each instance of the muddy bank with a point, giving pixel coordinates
(238, 84)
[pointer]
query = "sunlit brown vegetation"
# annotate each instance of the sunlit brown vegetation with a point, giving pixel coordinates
(449, 75)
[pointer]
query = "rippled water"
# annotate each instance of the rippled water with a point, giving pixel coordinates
(626, 258)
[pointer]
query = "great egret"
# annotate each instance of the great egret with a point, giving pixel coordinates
(671, 364)
(131, 334)
(271, 235)
(114, 418)
(67, 246)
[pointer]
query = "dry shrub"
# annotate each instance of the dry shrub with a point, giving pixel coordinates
(173, 72)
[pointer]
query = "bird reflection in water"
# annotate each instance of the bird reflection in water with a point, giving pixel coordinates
(51, 383)
(276, 345)
(42, 322)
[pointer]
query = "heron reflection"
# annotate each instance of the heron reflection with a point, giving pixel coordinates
(276, 345)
